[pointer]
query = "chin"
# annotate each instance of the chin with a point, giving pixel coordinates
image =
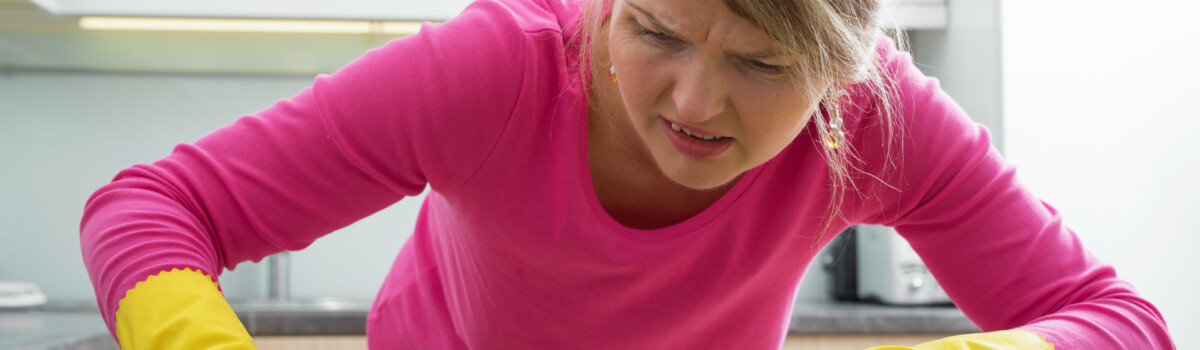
(706, 185)
(690, 172)
(699, 179)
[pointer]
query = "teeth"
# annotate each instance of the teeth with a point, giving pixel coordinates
(688, 133)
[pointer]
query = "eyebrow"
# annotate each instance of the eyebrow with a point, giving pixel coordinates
(653, 20)
(662, 28)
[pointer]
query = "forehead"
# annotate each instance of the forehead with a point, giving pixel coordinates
(707, 23)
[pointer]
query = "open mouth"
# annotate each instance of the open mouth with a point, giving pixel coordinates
(695, 135)
(698, 144)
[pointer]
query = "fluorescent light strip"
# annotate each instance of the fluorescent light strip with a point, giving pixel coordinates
(249, 25)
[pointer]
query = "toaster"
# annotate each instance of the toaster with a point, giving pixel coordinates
(873, 263)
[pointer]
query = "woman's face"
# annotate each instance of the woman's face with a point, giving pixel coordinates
(696, 64)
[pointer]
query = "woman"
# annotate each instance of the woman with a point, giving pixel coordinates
(646, 175)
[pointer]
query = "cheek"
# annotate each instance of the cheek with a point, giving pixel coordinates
(628, 53)
(641, 77)
(774, 123)
(775, 133)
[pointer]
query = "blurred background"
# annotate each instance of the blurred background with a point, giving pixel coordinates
(1094, 102)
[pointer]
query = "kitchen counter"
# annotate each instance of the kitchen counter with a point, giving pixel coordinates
(52, 330)
(829, 317)
(78, 325)
(75, 326)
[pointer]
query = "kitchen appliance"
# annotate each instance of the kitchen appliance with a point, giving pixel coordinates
(20, 294)
(873, 263)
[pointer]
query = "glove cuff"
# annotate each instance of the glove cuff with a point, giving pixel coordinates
(179, 309)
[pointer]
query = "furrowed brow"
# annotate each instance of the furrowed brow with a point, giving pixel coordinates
(659, 26)
(653, 20)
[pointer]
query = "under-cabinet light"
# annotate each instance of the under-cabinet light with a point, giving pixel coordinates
(249, 25)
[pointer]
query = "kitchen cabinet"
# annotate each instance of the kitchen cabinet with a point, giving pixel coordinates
(48, 36)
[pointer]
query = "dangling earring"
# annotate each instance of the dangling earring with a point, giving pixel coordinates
(612, 73)
(836, 136)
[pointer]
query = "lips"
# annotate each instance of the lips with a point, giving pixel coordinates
(695, 142)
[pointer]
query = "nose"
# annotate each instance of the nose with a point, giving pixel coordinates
(700, 91)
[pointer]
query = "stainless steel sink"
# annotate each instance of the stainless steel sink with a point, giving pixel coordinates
(301, 305)
(312, 316)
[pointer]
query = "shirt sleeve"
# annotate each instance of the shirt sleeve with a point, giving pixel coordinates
(1003, 256)
(422, 110)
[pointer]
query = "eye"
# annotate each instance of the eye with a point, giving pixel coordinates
(763, 67)
(656, 36)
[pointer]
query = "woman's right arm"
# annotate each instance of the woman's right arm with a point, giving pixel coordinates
(425, 109)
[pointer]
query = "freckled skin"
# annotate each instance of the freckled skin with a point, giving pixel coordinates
(701, 75)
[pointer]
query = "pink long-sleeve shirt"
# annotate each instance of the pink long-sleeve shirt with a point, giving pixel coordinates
(512, 248)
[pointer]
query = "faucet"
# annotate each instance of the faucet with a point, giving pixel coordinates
(278, 277)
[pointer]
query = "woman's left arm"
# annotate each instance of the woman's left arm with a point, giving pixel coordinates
(1002, 255)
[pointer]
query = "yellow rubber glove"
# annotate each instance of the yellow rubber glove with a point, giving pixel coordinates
(1013, 339)
(179, 309)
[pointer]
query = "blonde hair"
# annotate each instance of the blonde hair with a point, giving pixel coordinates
(835, 40)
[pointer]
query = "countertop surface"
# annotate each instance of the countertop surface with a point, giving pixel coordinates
(75, 326)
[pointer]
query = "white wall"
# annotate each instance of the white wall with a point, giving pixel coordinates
(1101, 119)
(965, 58)
(63, 135)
